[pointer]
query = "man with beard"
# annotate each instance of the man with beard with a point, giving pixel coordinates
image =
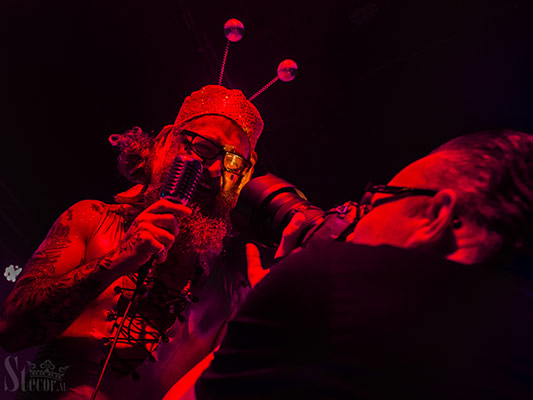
(78, 283)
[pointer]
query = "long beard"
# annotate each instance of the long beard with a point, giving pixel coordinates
(200, 240)
(201, 235)
(217, 206)
(197, 248)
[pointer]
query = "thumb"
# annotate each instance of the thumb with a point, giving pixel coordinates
(256, 273)
(291, 233)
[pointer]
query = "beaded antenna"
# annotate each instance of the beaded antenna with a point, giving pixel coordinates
(286, 72)
(218, 100)
(234, 31)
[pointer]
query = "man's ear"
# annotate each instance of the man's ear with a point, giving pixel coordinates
(437, 220)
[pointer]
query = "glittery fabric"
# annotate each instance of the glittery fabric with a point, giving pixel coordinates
(230, 103)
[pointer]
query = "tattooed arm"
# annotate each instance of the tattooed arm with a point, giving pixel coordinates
(57, 284)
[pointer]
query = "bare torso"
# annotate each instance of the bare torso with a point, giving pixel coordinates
(160, 342)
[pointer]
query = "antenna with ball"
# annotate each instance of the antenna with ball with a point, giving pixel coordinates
(286, 72)
(234, 31)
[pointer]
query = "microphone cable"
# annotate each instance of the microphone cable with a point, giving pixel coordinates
(179, 186)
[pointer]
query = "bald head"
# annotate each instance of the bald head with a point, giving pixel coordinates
(484, 204)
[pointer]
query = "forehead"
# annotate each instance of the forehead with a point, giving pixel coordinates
(221, 130)
(419, 174)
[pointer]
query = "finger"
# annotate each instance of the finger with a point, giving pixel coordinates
(164, 206)
(148, 243)
(291, 233)
(162, 236)
(161, 256)
(255, 268)
(253, 258)
(162, 241)
(167, 222)
(150, 239)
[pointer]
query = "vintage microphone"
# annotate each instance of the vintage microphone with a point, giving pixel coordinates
(182, 179)
(179, 186)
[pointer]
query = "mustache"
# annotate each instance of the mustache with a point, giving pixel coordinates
(208, 188)
(209, 194)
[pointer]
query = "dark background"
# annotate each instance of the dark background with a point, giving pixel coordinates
(380, 83)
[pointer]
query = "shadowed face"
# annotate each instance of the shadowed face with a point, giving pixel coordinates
(229, 137)
(218, 188)
(202, 234)
(393, 222)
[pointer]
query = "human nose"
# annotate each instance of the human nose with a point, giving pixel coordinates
(214, 167)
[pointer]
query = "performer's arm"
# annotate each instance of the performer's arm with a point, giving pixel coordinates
(58, 283)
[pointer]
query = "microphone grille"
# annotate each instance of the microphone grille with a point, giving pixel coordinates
(182, 178)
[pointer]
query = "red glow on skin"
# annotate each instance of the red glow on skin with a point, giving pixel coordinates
(391, 223)
(220, 130)
(186, 384)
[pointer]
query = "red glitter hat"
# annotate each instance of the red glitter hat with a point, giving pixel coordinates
(230, 103)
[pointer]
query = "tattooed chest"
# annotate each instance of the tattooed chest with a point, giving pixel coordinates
(100, 246)
(108, 234)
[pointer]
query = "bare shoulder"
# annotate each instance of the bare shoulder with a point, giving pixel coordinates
(85, 215)
(90, 206)
(63, 248)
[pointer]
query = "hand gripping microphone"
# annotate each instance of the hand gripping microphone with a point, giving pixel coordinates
(179, 186)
